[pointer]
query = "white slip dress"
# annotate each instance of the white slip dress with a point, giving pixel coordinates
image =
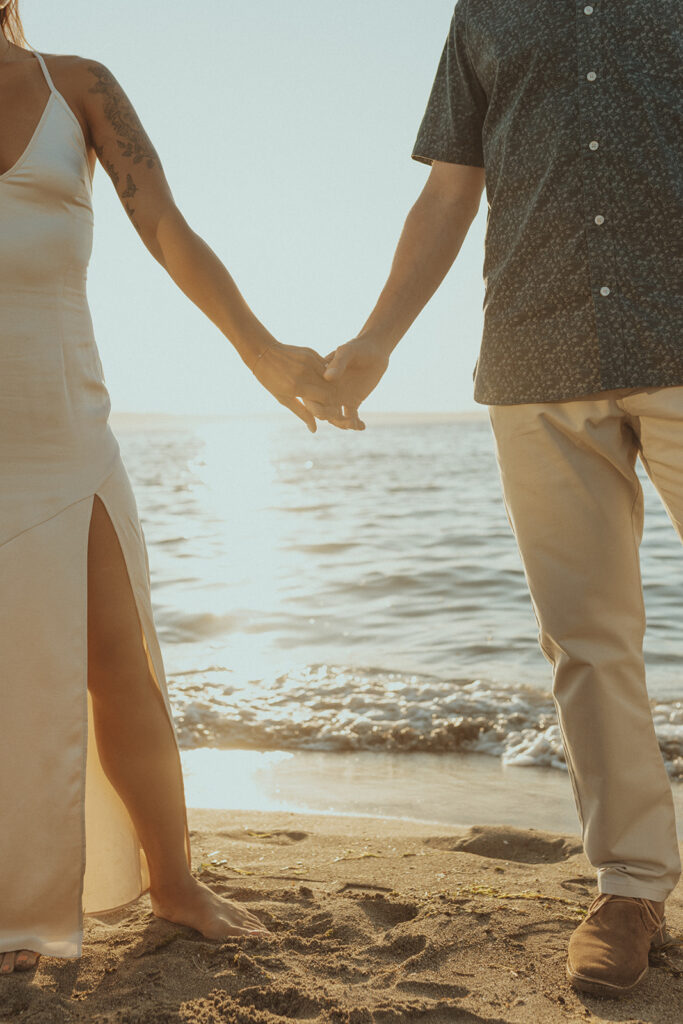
(57, 451)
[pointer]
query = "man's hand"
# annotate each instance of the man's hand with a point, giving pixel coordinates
(431, 238)
(355, 369)
(292, 373)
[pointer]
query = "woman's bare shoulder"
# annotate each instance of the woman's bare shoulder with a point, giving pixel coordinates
(79, 79)
(73, 72)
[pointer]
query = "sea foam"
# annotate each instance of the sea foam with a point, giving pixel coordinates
(326, 707)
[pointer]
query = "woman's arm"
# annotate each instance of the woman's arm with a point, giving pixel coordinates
(132, 163)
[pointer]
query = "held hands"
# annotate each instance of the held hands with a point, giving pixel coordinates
(291, 372)
(356, 368)
(330, 389)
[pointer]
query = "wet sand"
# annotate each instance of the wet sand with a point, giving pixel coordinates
(372, 920)
(461, 788)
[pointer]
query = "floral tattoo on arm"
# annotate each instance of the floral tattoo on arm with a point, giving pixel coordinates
(131, 138)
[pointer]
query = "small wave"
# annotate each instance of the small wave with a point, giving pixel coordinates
(331, 548)
(180, 627)
(325, 707)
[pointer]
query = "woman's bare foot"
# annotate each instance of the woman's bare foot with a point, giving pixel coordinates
(196, 905)
(193, 904)
(18, 960)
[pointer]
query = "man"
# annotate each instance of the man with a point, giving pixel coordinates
(570, 113)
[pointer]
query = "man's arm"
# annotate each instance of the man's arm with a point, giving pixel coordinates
(430, 241)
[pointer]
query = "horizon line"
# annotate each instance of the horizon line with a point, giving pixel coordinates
(129, 415)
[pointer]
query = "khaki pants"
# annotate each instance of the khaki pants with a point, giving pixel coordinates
(576, 507)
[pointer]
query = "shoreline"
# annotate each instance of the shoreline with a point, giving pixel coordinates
(453, 789)
(372, 921)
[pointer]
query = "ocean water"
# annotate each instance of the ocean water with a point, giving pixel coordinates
(360, 593)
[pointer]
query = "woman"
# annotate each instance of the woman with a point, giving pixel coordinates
(81, 667)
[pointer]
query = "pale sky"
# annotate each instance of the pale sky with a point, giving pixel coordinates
(285, 130)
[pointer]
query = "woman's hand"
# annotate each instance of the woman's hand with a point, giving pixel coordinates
(292, 373)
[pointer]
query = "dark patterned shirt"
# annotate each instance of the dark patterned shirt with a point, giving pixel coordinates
(574, 110)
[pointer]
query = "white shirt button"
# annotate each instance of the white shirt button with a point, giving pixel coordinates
(591, 76)
(599, 219)
(588, 9)
(593, 144)
(604, 290)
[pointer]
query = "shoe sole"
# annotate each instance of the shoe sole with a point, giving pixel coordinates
(602, 988)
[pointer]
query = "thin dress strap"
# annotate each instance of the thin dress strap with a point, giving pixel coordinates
(48, 79)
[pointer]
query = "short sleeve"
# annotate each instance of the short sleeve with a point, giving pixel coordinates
(451, 129)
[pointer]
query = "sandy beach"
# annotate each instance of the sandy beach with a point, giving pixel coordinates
(372, 920)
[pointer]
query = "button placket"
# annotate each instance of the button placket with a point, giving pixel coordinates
(595, 168)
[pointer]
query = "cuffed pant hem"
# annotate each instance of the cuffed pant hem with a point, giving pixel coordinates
(634, 888)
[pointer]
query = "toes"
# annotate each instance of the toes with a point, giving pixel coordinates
(235, 930)
(259, 929)
(244, 923)
(252, 924)
(248, 922)
(18, 960)
(7, 963)
(26, 959)
(256, 926)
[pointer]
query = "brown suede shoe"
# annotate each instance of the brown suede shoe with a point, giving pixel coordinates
(608, 952)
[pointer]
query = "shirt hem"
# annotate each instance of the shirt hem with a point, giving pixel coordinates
(536, 399)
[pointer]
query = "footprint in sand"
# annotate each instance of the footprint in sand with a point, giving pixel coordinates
(504, 842)
(404, 946)
(384, 913)
(582, 884)
(246, 894)
(317, 924)
(419, 1011)
(275, 837)
(288, 1002)
(436, 989)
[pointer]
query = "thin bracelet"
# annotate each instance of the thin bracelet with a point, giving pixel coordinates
(269, 346)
